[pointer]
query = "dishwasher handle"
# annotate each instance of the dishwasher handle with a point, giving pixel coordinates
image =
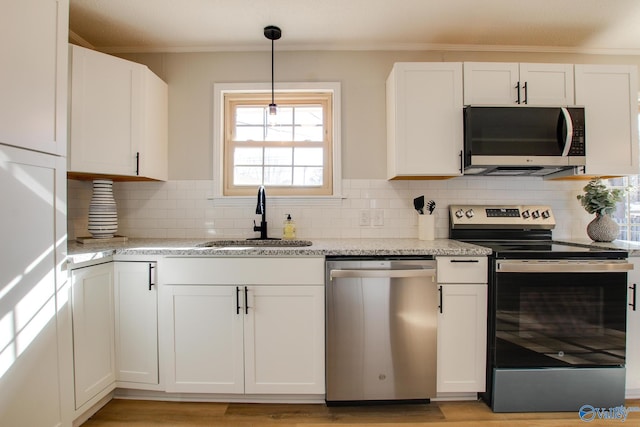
(385, 274)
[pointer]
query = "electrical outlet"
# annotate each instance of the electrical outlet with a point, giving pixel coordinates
(365, 218)
(377, 218)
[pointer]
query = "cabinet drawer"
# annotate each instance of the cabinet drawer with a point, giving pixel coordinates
(241, 271)
(461, 269)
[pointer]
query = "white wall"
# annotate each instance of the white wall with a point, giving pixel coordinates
(183, 209)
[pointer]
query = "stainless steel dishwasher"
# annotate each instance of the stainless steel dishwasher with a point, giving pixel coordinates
(381, 330)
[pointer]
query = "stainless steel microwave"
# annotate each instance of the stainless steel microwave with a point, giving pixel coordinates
(523, 140)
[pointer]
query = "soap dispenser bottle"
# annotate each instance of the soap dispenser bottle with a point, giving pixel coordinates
(289, 228)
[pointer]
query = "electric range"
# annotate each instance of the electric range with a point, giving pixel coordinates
(556, 312)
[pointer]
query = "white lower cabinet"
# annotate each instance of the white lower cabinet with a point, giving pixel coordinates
(136, 323)
(261, 332)
(93, 332)
(284, 340)
(462, 324)
(204, 333)
(633, 332)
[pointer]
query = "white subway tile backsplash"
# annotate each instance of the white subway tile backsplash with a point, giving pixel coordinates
(184, 209)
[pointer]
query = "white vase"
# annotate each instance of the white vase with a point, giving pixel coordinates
(603, 229)
(103, 215)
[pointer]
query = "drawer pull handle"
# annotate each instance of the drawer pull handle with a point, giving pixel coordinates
(465, 260)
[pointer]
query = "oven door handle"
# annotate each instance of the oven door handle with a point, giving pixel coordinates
(517, 266)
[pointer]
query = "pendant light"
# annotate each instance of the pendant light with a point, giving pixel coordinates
(272, 33)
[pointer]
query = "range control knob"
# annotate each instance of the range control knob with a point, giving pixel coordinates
(535, 214)
(459, 213)
(546, 214)
(526, 214)
(469, 213)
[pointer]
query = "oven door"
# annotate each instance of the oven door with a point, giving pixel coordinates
(559, 313)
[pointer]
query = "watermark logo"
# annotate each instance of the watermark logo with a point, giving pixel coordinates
(589, 413)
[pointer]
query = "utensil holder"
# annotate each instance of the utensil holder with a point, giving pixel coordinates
(426, 227)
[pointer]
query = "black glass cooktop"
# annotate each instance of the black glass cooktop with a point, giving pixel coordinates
(547, 249)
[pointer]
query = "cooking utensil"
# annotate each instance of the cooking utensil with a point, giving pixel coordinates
(418, 203)
(431, 206)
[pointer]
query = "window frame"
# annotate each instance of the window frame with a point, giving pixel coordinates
(221, 89)
(234, 100)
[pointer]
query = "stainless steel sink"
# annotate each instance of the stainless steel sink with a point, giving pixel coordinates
(253, 243)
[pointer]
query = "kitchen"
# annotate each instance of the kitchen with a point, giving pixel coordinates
(182, 207)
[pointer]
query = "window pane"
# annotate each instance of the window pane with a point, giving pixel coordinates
(307, 176)
(249, 133)
(277, 176)
(247, 175)
(247, 156)
(249, 116)
(308, 157)
(284, 116)
(278, 156)
(309, 116)
(279, 133)
(309, 133)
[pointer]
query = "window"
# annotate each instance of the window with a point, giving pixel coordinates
(292, 153)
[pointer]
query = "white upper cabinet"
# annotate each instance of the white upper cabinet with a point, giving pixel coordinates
(424, 120)
(119, 116)
(502, 83)
(33, 87)
(609, 94)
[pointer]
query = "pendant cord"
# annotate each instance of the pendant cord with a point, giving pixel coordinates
(272, 75)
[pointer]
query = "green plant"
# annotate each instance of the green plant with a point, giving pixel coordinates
(600, 199)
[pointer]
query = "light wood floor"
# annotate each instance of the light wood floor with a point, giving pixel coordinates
(138, 413)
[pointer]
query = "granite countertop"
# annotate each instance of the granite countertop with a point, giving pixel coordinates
(78, 252)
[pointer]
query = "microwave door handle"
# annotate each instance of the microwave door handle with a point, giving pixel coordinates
(569, 137)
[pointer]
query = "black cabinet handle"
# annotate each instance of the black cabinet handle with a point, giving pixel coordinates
(440, 292)
(461, 162)
(526, 95)
(633, 296)
(246, 300)
(137, 163)
(518, 91)
(237, 299)
(464, 260)
(151, 268)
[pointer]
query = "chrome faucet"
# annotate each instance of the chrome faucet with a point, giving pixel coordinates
(261, 209)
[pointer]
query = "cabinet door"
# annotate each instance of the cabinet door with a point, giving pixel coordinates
(33, 87)
(106, 113)
(136, 322)
(34, 367)
(284, 340)
(546, 84)
(204, 338)
(633, 332)
(609, 94)
(462, 338)
(154, 146)
(491, 83)
(424, 120)
(93, 331)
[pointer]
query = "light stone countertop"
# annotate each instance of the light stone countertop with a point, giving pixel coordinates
(78, 252)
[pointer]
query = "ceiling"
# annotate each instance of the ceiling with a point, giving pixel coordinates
(581, 26)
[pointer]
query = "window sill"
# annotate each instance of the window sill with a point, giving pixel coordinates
(328, 201)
